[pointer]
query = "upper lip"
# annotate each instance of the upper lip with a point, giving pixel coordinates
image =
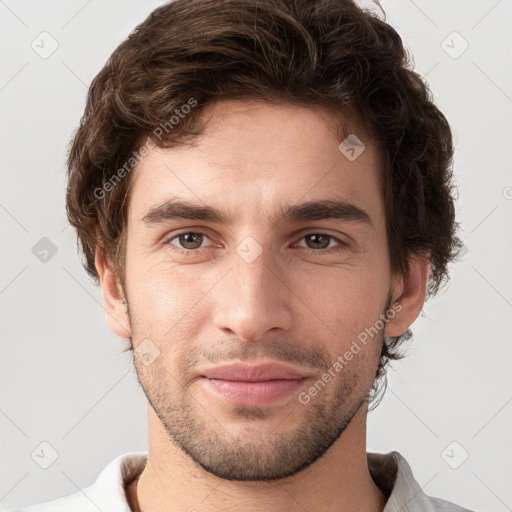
(253, 372)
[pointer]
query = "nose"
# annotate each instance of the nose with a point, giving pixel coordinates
(254, 298)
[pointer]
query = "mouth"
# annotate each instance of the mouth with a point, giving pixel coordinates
(254, 385)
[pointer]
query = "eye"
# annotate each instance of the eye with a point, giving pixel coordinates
(189, 241)
(317, 243)
(320, 243)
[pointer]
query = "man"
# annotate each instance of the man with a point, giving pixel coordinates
(263, 190)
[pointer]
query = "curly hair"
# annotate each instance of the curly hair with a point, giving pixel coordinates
(330, 54)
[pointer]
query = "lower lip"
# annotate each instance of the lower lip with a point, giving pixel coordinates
(254, 393)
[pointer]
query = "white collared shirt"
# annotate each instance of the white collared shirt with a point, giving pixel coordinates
(390, 471)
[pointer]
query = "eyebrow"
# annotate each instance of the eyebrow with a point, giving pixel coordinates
(324, 209)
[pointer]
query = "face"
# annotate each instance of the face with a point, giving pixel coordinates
(241, 302)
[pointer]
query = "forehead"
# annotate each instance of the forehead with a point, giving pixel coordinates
(255, 156)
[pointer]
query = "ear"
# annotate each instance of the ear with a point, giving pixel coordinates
(410, 293)
(113, 296)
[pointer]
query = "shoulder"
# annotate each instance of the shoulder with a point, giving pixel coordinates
(393, 475)
(71, 503)
(107, 493)
(440, 505)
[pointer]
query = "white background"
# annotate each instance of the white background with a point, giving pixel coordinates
(63, 377)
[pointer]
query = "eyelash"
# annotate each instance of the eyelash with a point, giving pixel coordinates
(190, 252)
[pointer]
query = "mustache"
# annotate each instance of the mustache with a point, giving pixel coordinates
(249, 351)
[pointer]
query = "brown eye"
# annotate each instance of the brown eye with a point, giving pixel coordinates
(318, 241)
(186, 242)
(190, 240)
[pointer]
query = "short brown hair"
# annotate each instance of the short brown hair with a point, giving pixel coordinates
(323, 53)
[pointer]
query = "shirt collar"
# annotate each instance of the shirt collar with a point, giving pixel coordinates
(393, 475)
(390, 472)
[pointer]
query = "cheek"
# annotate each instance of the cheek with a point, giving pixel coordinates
(165, 300)
(347, 302)
(352, 292)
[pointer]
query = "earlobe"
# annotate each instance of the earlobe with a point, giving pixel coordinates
(113, 296)
(411, 297)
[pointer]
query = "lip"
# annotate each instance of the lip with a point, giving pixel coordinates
(253, 372)
(254, 384)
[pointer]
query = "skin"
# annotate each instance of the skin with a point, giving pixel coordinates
(253, 158)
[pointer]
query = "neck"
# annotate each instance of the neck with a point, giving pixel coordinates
(171, 481)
